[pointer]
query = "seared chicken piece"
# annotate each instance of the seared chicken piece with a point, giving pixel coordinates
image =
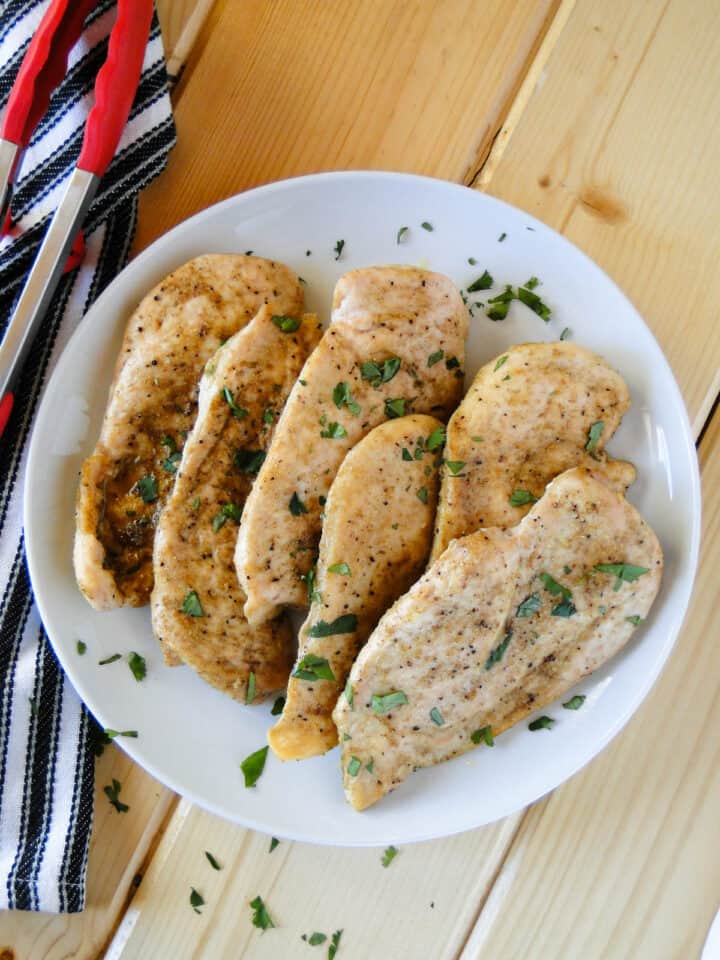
(502, 624)
(197, 603)
(375, 543)
(396, 345)
(170, 337)
(536, 410)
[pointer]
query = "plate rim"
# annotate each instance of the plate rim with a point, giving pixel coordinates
(276, 187)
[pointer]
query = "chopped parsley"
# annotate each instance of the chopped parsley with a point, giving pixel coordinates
(261, 918)
(315, 939)
(384, 703)
(296, 506)
(334, 431)
(574, 703)
(167, 441)
(249, 461)
(334, 944)
(347, 623)
(635, 620)
(625, 572)
(250, 692)
(406, 455)
(277, 707)
(137, 666)
(427, 226)
(594, 434)
(436, 439)
(498, 652)
(228, 511)
(395, 408)
(435, 358)
(170, 464)
(81, 647)
(531, 283)
(349, 693)
(253, 766)
(565, 608)
(147, 488)
(239, 412)
(274, 842)
(554, 588)
(212, 861)
(519, 498)
(483, 282)
(196, 900)
(566, 331)
(378, 372)
(339, 249)
(196, 503)
(401, 234)
(342, 568)
(452, 363)
(342, 397)
(287, 324)
(483, 735)
(422, 495)
(501, 237)
(542, 723)
(498, 311)
(455, 466)
(191, 605)
(111, 734)
(112, 659)
(389, 855)
(268, 415)
(501, 362)
(112, 792)
(312, 667)
(529, 606)
(353, 767)
(309, 579)
(437, 717)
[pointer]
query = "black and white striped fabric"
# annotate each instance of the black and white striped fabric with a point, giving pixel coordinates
(46, 735)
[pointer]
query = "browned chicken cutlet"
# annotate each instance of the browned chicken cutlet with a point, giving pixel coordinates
(501, 625)
(197, 603)
(372, 364)
(127, 479)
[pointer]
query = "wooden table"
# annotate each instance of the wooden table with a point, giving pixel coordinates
(600, 117)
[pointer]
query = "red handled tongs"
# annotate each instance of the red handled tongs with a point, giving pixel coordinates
(42, 69)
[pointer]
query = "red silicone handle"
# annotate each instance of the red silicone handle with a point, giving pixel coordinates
(6, 405)
(116, 85)
(43, 67)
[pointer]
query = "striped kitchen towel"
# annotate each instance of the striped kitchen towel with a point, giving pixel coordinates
(46, 735)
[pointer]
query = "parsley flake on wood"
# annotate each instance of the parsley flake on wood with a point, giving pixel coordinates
(261, 918)
(574, 703)
(112, 792)
(342, 568)
(554, 588)
(339, 249)
(624, 572)
(483, 282)
(250, 692)
(436, 439)
(147, 488)
(111, 734)
(384, 703)
(334, 944)
(334, 431)
(81, 647)
(347, 623)
(312, 667)
(296, 506)
(287, 324)
(343, 397)
(529, 606)
(137, 666)
(277, 707)
(253, 766)
(401, 234)
(594, 434)
(436, 717)
(112, 659)
(196, 900)
(191, 605)
(501, 362)
(483, 735)
(389, 855)
(274, 842)
(212, 861)
(498, 652)
(542, 723)
(435, 357)
(237, 411)
(519, 498)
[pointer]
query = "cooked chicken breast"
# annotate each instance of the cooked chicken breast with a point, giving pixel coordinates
(375, 543)
(531, 413)
(170, 337)
(395, 346)
(502, 624)
(197, 603)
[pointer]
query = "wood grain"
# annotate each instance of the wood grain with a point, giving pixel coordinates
(624, 860)
(279, 89)
(616, 149)
(424, 901)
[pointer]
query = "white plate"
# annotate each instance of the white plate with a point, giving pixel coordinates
(193, 738)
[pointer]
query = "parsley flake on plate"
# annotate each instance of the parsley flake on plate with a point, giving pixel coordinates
(574, 703)
(389, 855)
(261, 918)
(334, 945)
(111, 734)
(277, 707)
(483, 735)
(191, 605)
(312, 667)
(401, 234)
(427, 226)
(110, 659)
(566, 331)
(315, 939)
(483, 282)
(81, 647)
(338, 249)
(542, 723)
(347, 623)
(137, 666)
(287, 324)
(253, 766)
(384, 703)
(498, 652)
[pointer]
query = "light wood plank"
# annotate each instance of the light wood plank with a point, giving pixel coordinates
(119, 844)
(616, 147)
(424, 901)
(279, 89)
(624, 860)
